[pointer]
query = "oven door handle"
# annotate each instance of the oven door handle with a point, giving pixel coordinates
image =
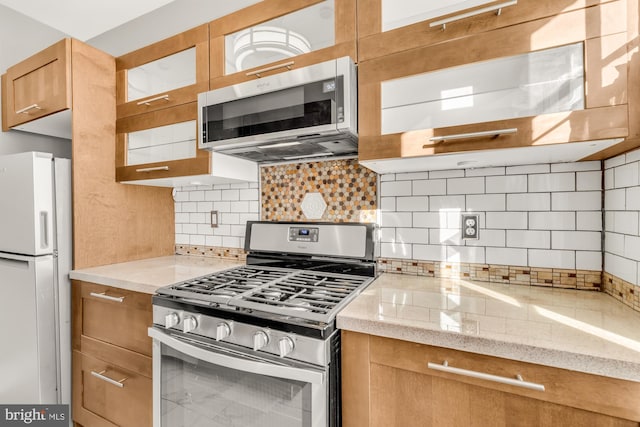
(278, 371)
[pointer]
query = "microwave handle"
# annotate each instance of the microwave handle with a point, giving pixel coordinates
(278, 371)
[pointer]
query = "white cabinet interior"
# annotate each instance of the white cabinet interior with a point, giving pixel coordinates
(532, 84)
(171, 142)
(299, 32)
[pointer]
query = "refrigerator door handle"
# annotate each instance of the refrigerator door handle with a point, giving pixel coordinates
(44, 229)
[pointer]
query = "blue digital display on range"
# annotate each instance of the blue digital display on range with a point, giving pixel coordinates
(303, 232)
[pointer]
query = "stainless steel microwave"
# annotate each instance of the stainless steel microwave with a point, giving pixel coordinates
(304, 113)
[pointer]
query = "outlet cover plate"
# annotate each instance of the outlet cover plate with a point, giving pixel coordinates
(470, 226)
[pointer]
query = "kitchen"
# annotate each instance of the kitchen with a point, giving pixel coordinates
(546, 226)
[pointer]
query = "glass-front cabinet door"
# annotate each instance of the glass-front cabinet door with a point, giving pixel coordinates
(164, 74)
(273, 36)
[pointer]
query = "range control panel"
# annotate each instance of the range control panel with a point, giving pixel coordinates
(303, 234)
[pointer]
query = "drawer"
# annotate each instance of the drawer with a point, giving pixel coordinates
(110, 394)
(570, 388)
(111, 315)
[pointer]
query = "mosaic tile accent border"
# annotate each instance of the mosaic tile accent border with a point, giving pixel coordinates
(625, 292)
(212, 252)
(528, 276)
(348, 189)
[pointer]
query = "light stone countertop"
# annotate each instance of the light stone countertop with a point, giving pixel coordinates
(576, 330)
(148, 275)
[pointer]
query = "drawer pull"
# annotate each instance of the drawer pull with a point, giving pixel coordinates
(157, 98)
(104, 295)
(157, 168)
(494, 133)
(271, 68)
(497, 8)
(26, 110)
(109, 380)
(518, 381)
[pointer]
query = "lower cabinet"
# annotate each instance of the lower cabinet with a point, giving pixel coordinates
(112, 368)
(387, 382)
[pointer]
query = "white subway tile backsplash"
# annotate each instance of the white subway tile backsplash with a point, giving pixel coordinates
(506, 256)
(615, 161)
(254, 207)
(577, 201)
(552, 220)
(181, 217)
(395, 250)
(609, 220)
(239, 206)
(440, 203)
(230, 194)
(552, 259)
(196, 196)
(231, 242)
(589, 181)
(540, 183)
(189, 207)
(614, 243)
(244, 217)
(632, 247)
(189, 228)
(182, 239)
(213, 240)
(486, 202)
(387, 177)
(395, 188)
(205, 229)
(494, 238)
(396, 219)
(430, 188)
(528, 169)
(387, 235)
(529, 202)
(412, 235)
(412, 176)
(205, 206)
(197, 218)
(474, 185)
(222, 206)
(249, 194)
(626, 175)
(416, 203)
(465, 254)
(388, 204)
(230, 218)
(576, 240)
(430, 219)
(507, 220)
(178, 229)
(452, 173)
(239, 185)
(588, 260)
(213, 195)
(576, 166)
(196, 240)
(632, 156)
(507, 184)
(238, 230)
(181, 196)
(632, 198)
(608, 179)
(626, 222)
(430, 252)
(623, 268)
(445, 236)
(589, 221)
(615, 200)
(223, 230)
(528, 239)
(485, 171)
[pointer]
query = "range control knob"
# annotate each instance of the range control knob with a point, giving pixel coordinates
(171, 320)
(260, 340)
(286, 346)
(223, 330)
(189, 323)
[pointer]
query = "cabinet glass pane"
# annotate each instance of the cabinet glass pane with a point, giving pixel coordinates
(543, 82)
(162, 75)
(400, 13)
(299, 32)
(172, 142)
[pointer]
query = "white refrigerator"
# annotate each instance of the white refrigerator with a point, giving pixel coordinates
(35, 292)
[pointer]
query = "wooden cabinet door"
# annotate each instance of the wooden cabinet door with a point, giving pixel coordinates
(160, 149)
(165, 74)
(605, 113)
(38, 86)
(108, 395)
(274, 36)
(389, 26)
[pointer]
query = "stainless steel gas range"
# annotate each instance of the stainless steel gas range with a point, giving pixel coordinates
(257, 345)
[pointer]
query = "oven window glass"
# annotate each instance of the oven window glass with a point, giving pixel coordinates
(197, 393)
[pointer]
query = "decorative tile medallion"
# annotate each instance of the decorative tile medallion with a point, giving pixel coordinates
(348, 189)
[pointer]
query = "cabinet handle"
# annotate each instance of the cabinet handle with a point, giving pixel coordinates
(157, 168)
(257, 73)
(109, 380)
(517, 381)
(26, 110)
(497, 8)
(150, 100)
(496, 132)
(103, 295)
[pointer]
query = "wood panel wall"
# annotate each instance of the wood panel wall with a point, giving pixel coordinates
(111, 222)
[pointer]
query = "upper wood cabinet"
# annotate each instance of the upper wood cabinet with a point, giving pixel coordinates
(553, 80)
(273, 36)
(38, 86)
(167, 73)
(388, 26)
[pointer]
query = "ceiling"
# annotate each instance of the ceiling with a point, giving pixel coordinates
(84, 19)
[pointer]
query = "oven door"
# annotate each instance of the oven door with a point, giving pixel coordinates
(202, 383)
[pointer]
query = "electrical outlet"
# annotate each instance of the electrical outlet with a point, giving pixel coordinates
(470, 226)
